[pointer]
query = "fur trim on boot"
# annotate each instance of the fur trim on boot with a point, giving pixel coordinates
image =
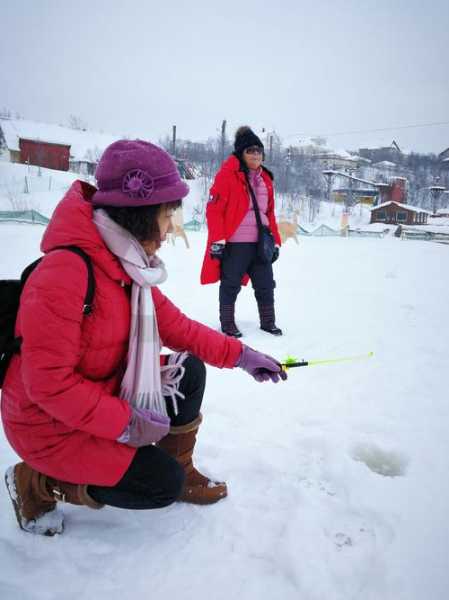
(34, 497)
(198, 488)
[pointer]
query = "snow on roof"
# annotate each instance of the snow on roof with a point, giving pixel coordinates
(79, 141)
(376, 227)
(431, 228)
(406, 206)
(323, 149)
(385, 163)
(347, 176)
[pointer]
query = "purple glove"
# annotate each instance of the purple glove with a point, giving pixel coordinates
(145, 427)
(261, 366)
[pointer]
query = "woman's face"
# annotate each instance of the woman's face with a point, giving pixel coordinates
(253, 157)
(165, 224)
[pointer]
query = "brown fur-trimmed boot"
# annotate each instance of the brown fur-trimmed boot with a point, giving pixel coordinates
(198, 488)
(34, 498)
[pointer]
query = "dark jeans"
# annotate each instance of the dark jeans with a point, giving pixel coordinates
(154, 479)
(240, 258)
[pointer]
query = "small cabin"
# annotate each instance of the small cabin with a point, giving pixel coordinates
(395, 213)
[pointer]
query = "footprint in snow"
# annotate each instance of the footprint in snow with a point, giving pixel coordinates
(408, 306)
(322, 486)
(359, 536)
(341, 540)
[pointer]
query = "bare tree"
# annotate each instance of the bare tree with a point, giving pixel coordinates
(5, 113)
(76, 122)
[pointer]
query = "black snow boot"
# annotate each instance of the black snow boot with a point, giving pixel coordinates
(267, 319)
(227, 321)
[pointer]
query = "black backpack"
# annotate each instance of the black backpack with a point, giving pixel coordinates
(10, 291)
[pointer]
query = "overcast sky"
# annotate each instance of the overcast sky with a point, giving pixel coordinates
(301, 68)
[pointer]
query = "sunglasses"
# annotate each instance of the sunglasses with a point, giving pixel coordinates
(254, 150)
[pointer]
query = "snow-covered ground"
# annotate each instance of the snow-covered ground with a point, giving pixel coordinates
(24, 187)
(338, 478)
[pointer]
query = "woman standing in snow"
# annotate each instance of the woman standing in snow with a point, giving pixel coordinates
(95, 414)
(242, 186)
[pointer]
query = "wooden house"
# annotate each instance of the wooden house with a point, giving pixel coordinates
(395, 213)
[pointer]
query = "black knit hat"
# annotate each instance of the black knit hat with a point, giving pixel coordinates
(245, 138)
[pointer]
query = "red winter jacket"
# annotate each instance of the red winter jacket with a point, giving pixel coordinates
(227, 206)
(60, 408)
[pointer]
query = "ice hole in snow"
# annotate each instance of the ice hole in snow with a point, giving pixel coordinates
(390, 463)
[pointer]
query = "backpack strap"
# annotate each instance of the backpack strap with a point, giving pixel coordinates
(90, 291)
(10, 344)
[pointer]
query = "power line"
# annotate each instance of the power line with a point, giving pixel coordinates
(436, 124)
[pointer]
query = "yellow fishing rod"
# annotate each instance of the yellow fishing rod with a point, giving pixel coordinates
(291, 362)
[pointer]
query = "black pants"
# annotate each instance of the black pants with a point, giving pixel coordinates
(154, 479)
(240, 258)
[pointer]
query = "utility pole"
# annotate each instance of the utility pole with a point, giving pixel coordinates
(350, 197)
(223, 139)
(435, 193)
(173, 142)
(288, 159)
(328, 175)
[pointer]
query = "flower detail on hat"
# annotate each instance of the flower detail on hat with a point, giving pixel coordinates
(138, 184)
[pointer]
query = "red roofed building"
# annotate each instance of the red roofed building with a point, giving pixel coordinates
(44, 154)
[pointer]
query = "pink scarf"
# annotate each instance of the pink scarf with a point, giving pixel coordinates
(141, 385)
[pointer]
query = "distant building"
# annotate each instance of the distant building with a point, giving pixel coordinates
(385, 167)
(84, 167)
(389, 153)
(362, 195)
(330, 158)
(395, 213)
(61, 148)
(443, 213)
(43, 154)
(393, 191)
(52, 146)
(444, 156)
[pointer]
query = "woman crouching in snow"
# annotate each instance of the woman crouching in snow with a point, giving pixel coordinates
(95, 413)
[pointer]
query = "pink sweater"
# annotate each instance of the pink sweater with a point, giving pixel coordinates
(247, 230)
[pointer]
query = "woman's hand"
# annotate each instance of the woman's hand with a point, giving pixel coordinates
(145, 427)
(275, 254)
(216, 249)
(260, 366)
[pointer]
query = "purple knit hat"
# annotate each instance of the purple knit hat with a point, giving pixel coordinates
(137, 173)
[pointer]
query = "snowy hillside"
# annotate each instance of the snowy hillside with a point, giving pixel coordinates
(29, 187)
(338, 485)
(25, 187)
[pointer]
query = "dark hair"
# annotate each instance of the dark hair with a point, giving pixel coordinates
(140, 221)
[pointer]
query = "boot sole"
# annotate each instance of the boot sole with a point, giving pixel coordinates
(271, 332)
(198, 494)
(234, 335)
(37, 526)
